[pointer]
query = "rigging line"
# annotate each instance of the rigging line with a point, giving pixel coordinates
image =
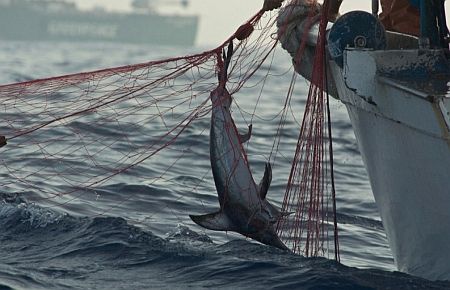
(262, 87)
(333, 187)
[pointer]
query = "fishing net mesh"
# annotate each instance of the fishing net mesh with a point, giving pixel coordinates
(310, 191)
(68, 135)
(101, 115)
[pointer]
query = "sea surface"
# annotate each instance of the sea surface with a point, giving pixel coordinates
(134, 235)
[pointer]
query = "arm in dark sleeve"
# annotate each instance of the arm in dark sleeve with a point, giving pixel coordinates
(333, 9)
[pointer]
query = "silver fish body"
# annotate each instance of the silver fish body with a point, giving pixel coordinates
(243, 205)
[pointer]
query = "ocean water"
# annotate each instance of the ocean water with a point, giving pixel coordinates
(130, 234)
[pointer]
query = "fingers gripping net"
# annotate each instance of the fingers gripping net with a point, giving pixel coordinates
(83, 130)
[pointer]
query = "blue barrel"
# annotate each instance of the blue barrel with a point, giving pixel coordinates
(358, 29)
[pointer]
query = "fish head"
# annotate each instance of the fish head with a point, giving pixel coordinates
(268, 236)
(261, 227)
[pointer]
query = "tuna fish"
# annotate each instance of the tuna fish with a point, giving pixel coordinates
(243, 204)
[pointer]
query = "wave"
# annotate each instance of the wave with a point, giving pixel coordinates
(59, 251)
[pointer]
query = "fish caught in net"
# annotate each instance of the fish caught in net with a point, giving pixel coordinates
(63, 137)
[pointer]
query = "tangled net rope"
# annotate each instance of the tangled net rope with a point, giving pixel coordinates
(85, 110)
(310, 192)
(64, 136)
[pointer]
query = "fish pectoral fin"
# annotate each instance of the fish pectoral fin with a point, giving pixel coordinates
(245, 137)
(265, 182)
(217, 221)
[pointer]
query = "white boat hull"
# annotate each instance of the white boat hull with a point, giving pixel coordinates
(399, 111)
(403, 136)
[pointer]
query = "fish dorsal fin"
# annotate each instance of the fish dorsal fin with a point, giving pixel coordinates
(265, 182)
(217, 221)
(245, 137)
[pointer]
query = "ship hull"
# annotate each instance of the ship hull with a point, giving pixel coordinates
(403, 136)
(397, 99)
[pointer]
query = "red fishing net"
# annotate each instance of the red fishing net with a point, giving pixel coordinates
(84, 130)
(85, 110)
(310, 193)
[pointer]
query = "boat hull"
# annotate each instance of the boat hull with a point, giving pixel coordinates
(397, 100)
(403, 135)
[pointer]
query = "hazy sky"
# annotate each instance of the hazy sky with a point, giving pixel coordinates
(218, 18)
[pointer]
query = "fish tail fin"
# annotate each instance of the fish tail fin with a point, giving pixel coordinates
(217, 221)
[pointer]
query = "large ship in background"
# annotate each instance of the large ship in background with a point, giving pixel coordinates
(52, 20)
